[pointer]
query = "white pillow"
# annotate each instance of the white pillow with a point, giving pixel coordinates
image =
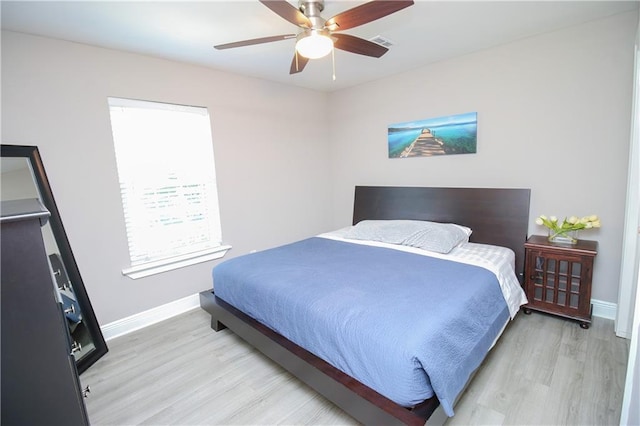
(432, 236)
(465, 229)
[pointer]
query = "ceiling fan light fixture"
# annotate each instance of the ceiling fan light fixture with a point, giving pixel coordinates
(314, 45)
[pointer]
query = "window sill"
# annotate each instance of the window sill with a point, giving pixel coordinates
(165, 265)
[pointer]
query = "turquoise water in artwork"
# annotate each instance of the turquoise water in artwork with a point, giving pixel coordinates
(399, 140)
(463, 136)
(458, 134)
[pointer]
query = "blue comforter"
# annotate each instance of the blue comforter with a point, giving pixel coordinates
(406, 325)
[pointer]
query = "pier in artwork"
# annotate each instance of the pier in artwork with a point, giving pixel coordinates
(425, 145)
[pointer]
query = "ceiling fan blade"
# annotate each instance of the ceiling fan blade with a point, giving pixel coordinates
(365, 13)
(358, 45)
(298, 66)
(288, 12)
(254, 41)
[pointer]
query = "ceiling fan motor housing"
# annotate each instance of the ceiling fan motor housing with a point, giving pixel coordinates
(312, 9)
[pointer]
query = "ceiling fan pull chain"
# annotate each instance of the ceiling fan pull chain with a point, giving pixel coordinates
(333, 62)
(297, 67)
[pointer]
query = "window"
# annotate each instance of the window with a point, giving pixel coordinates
(164, 155)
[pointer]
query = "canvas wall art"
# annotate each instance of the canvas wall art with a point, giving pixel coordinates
(453, 134)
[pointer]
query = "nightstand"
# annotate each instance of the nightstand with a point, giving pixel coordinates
(558, 278)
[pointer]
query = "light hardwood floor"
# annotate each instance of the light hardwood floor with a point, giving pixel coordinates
(543, 371)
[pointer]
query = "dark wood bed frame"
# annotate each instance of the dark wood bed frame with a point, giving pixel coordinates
(496, 216)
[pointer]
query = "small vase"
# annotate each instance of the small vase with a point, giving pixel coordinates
(563, 237)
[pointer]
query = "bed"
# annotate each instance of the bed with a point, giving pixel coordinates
(327, 360)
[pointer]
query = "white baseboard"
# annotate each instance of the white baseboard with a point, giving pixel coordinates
(152, 316)
(604, 309)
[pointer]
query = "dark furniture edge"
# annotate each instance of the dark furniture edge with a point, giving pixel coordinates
(578, 318)
(583, 247)
(358, 400)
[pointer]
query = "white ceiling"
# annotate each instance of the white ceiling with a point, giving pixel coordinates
(424, 33)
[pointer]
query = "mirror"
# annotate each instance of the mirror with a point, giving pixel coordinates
(23, 176)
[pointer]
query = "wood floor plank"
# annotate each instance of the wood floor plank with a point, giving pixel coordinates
(604, 379)
(544, 370)
(573, 343)
(527, 405)
(563, 403)
(543, 348)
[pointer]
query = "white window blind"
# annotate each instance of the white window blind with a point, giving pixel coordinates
(164, 155)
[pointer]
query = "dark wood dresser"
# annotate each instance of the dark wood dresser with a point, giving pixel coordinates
(558, 278)
(40, 383)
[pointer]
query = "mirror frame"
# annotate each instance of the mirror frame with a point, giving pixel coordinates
(32, 154)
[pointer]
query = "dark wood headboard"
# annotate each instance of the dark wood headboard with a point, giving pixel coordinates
(497, 216)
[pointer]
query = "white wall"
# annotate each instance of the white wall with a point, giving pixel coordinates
(553, 115)
(272, 172)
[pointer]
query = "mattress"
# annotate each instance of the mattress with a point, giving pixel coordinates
(409, 325)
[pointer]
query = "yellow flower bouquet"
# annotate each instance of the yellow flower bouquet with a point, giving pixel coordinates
(566, 230)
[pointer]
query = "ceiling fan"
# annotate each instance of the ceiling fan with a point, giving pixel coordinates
(318, 37)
